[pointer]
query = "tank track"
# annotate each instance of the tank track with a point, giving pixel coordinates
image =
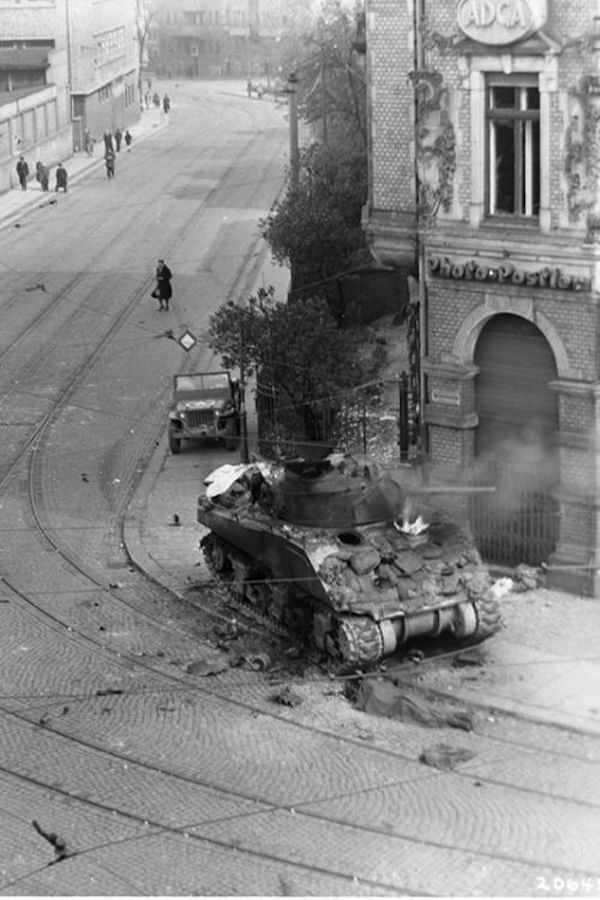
(359, 641)
(233, 598)
(489, 619)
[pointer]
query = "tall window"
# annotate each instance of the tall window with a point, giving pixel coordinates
(513, 114)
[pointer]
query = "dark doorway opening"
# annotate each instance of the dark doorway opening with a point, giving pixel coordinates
(515, 443)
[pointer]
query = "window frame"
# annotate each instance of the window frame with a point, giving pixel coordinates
(521, 82)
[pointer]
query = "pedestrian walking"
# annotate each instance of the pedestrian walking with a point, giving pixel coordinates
(163, 291)
(166, 104)
(88, 143)
(108, 141)
(156, 100)
(118, 139)
(61, 178)
(109, 159)
(42, 174)
(22, 172)
(128, 139)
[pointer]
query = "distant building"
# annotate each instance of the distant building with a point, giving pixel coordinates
(484, 161)
(65, 65)
(216, 38)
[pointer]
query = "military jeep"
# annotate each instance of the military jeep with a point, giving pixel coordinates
(205, 405)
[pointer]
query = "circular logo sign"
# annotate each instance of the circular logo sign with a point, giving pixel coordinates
(501, 21)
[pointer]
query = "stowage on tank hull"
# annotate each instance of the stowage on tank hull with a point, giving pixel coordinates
(358, 585)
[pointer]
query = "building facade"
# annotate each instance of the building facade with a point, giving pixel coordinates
(484, 188)
(65, 65)
(216, 38)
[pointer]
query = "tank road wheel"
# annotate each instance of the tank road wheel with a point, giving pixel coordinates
(174, 440)
(298, 616)
(260, 595)
(360, 641)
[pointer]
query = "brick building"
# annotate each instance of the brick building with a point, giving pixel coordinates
(484, 168)
(65, 65)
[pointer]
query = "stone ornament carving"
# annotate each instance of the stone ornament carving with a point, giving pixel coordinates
(501, 22)
(582, 153)
(435, 145)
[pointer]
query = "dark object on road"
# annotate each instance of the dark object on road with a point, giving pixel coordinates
(444, 757)
(382, 698)
(22, 172)
(340, 552)
(61, 178)
(205, 405)
(59, 844)
(163, 290)
(286, 697)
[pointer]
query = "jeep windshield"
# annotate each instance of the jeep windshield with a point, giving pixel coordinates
(201, 384)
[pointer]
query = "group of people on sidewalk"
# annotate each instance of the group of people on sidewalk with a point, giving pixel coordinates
(115, 139)
(112, 145)
(42, 174)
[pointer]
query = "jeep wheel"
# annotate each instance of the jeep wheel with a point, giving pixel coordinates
(174, 441)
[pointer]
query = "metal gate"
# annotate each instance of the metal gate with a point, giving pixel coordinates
(519, 522)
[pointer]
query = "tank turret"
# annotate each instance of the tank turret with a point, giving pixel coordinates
(346, 553)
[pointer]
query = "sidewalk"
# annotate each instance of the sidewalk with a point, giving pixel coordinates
(14, 203)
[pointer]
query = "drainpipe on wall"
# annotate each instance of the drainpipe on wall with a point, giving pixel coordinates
(69, 58)
(419, 65)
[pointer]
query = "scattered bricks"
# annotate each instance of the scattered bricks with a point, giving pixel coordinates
(365, 561)
(408, 562)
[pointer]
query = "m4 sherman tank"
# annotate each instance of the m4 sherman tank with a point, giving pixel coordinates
(348, 556)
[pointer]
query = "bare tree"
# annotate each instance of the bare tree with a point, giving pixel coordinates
(144, 16)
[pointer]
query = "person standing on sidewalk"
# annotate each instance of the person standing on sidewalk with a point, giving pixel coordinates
(88, 143)
(109, 159)
(128, 139)
(118, 139)
(163, 291)
(22, 172)
(42, 174)
(61, 178)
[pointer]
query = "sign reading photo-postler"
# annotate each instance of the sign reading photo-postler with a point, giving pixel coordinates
(500, 22)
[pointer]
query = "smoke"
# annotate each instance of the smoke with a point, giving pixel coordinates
(517, 465)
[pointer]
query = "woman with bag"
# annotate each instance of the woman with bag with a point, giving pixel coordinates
(163, 292)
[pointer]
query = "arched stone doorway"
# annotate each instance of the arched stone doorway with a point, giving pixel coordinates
(515, 443)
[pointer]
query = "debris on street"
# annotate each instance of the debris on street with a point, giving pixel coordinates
(445, 757)
(286, 697)
(210, 665)
(382, 698)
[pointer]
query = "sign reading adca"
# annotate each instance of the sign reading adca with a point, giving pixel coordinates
(501, 21)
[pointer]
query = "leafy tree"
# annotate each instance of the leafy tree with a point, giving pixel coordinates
(316, 227)
(296, 347)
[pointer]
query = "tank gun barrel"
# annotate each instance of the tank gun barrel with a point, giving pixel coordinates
(453, 489)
